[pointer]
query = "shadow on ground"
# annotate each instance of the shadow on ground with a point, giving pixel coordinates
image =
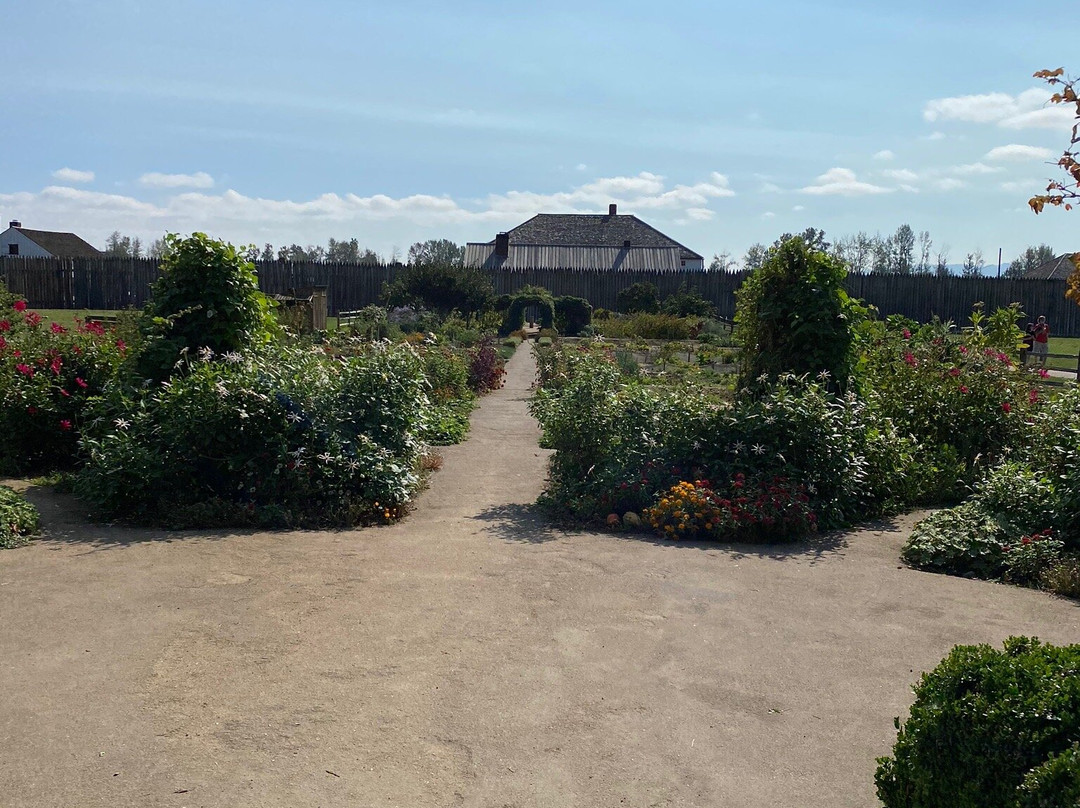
(519, 523)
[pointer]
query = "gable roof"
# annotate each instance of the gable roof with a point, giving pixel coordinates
(593, 230)
(62, 245)
(537, 256)
(1057, 269)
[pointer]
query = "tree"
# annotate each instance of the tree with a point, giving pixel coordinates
(973, 264)
(941, 269)
(723, 262)
(638, 297)
(881, 252)
(123, 246)
(903, 249)
(925, 246)
(793, 316)
(1029, 259)
(1062, 193)
(156, 248)
(755, 256)
(343, 252)
(437, 251)
(443, 288)
(267, 253)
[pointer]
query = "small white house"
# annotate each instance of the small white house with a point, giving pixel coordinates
(23, 242)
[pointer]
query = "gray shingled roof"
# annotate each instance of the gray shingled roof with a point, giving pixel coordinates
(592, 230)
(1057, 269)
(62, 245)
(543, 256)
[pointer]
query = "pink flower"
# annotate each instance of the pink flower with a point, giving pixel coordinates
(954, 372)
(81, 383)
(65, 393)
(909, 357)
(20, 305)
(56, 365)
(3, 343)
(25, 369)
(65, 424)
(963, 349)
(5, 325)
(963, 389)
(1005, 405)
(1043, 373)
(1033, 396)
(907, 334)
(31, 410)
(33, 319)
(121, 345)
(56, 328)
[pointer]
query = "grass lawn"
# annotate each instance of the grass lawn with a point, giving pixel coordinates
(1063, 345)
(66, 317)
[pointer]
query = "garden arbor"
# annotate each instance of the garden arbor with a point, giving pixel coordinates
(529, 296)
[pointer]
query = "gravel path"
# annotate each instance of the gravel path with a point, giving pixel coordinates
(470, 655)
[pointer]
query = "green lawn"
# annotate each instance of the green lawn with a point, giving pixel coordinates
(1063, 345)
(66, 317)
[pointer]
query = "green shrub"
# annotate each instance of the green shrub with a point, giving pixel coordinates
(965, 540)
(1026, 559)
(1054, 784)
(18, 519)
(535, 296)
(206, 298)
(276, 437)
(442, 288)
(48, 374)
(638, 297)
(688, 302)
(1062, 577)
(793, 316)
(572, 314)
(649, 326)
(983, 720)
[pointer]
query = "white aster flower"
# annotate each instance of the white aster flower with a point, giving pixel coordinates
(122, 423)
(232, 357)
(294, 417)
(206, 354)
(353, 465)
(325, 457)
(757, 449)
(739, 447)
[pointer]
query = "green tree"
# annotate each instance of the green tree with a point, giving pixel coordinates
(123, 246)
(793, 316)
(1029, 259)
(722, 262)
(442, 288)
(973, 264)
(206, 297)
(941, 268)
(436, 251)
(755, 256)
(902, 258)
(638, 297)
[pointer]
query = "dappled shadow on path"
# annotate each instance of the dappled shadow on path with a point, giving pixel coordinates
(518, 522)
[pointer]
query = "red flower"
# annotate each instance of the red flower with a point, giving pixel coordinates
(1043, 373)
(57, 363)
(954, 372)
(81, 383)
(963, 389)
(1033, 396)
(31, 410)
(33, 319)
(3, 343)
(5, 325)
(910, 359)
(65, 424)
(56, 328)
(94, 327)
(25, 370)
(65, 393)
(907, 334)
(121, 345)
(963, 349)
(1005, 405)
(20, 305)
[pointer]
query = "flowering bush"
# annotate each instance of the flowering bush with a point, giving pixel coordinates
(761, 511)
(18, 519)
(1025, 561)
(285, 437)
(486, 367)
(47, 375)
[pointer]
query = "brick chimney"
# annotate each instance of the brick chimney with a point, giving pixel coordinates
(14, 223)
(612, 209)
(502, 244)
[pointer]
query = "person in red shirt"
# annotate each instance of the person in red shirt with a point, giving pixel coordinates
(1041, 335)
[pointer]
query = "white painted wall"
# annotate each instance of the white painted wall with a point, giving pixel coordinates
(695, 264)
(27, 248)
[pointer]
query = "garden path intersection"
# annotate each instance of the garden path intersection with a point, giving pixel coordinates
(469, 655)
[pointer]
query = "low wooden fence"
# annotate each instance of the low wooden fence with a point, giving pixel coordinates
(115, 283)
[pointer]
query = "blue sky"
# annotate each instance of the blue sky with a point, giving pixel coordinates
(720, 123)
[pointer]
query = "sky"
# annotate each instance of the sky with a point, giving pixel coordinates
(722, 124)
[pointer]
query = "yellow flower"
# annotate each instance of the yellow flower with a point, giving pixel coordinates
(708, 525)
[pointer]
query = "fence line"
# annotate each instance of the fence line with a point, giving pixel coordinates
(115, 283)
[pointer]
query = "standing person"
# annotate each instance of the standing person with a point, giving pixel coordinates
(1041, 338)
(1029, 339)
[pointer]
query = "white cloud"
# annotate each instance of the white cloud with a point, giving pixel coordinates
(1017, 151)
(73, 175)
(842, 182)
(948, 184)
(884, 154)
(240, 218)
(900, 174)
(770, 188)
(581, 167)
(1028, 110)
(1021, 185)
(768, 215)
(199, 179)
(975, 168)
(797, 208)
(933, 136)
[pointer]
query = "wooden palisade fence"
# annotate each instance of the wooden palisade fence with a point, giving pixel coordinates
(115, 283)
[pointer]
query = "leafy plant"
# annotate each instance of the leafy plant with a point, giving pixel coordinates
(638, 297)
(19, 519)
(206, 298)
(983, 720)
(688, 302)
(441, 287)
(793, 316)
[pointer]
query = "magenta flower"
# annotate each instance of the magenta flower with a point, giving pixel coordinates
(909, 357)
(20, 305)
(56, 328)
(907, 334)
(25, 369)
(963, 388)
(954, 372)
(1033, 396)
(65, 424)
(1005, 405)
(963, 349)
(1043, 373)
(81, 383)
(5, 325)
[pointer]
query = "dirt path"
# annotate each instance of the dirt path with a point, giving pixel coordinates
(468, 656)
